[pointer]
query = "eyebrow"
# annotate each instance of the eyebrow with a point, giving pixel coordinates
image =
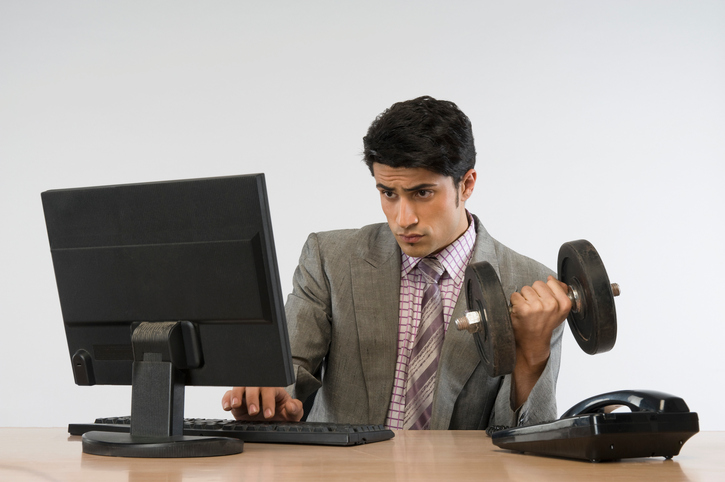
(407, 189)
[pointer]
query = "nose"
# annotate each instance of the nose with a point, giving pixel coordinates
(406, 214)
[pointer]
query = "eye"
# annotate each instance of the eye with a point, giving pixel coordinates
(387, 194)
(425, 193)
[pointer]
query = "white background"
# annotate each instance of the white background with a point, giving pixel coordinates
(597, 120)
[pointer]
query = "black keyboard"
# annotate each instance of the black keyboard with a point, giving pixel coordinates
(308, 433)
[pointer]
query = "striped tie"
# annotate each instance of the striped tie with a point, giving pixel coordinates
(426, 350)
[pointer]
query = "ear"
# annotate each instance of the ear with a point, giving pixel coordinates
(468, 182)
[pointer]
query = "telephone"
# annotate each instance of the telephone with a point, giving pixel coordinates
(658, 425)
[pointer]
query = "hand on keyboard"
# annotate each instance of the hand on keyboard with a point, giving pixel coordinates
(275, 403)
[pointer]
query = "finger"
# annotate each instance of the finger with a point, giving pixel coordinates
(563, 285)
(555, 285)
(517, 297)
(233, 398)
(560, 293)
(236, 403)
(237, 407)
(240, 413)
(552, 297)
(528, 293)
(251, 397)
(227, 400)
(519, 305)
(541, 289)
(269, 401)
(552, 287)
(289, 408)
(293, 410)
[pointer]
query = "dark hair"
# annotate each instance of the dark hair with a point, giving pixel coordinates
(423, 132)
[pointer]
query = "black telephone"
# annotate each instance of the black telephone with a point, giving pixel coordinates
(658, 425)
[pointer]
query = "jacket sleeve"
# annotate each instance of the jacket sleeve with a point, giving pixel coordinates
(540, 406)
(308, 312)
(517, 271)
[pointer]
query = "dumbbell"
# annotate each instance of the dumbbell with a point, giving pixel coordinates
(592, 319)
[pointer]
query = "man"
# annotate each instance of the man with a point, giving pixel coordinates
(370, 309)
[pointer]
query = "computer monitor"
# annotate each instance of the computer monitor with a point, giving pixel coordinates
(167, 284)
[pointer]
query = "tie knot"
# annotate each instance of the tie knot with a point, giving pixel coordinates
(431, 268)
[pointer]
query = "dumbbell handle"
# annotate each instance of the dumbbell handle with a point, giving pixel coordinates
(471, 321)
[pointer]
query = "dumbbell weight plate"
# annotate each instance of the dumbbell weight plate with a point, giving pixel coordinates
(595, 325)
(495, 340)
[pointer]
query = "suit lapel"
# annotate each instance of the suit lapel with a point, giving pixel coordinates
(375, 276)
(459, 357)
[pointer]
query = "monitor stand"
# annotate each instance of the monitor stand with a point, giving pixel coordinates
(157, 400)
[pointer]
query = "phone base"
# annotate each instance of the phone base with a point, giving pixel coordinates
(601, 437)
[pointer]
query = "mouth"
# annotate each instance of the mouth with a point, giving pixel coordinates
(410, 238)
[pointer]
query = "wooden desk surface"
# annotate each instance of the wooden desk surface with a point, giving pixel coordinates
(50, 454)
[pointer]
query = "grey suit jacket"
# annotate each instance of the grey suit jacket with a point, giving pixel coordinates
(342, 316)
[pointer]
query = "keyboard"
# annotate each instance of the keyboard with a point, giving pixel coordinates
(307, 433)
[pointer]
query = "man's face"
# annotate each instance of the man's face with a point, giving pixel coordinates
(425, 211)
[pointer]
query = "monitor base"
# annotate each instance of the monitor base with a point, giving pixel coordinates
(127, 445)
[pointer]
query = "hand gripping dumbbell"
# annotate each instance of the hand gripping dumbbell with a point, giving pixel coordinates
(592, 318)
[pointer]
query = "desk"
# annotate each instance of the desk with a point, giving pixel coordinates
(50, 454)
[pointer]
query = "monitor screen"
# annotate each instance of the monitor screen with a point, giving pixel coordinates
(198, 253)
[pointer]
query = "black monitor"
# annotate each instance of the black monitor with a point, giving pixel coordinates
(163, 285)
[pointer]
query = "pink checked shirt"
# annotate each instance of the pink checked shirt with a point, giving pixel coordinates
(454, 258)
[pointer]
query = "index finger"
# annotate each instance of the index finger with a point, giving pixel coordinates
(232, 398)
(560, 289)
(563, 285)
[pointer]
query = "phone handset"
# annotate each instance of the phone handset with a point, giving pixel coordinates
(636, 400)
